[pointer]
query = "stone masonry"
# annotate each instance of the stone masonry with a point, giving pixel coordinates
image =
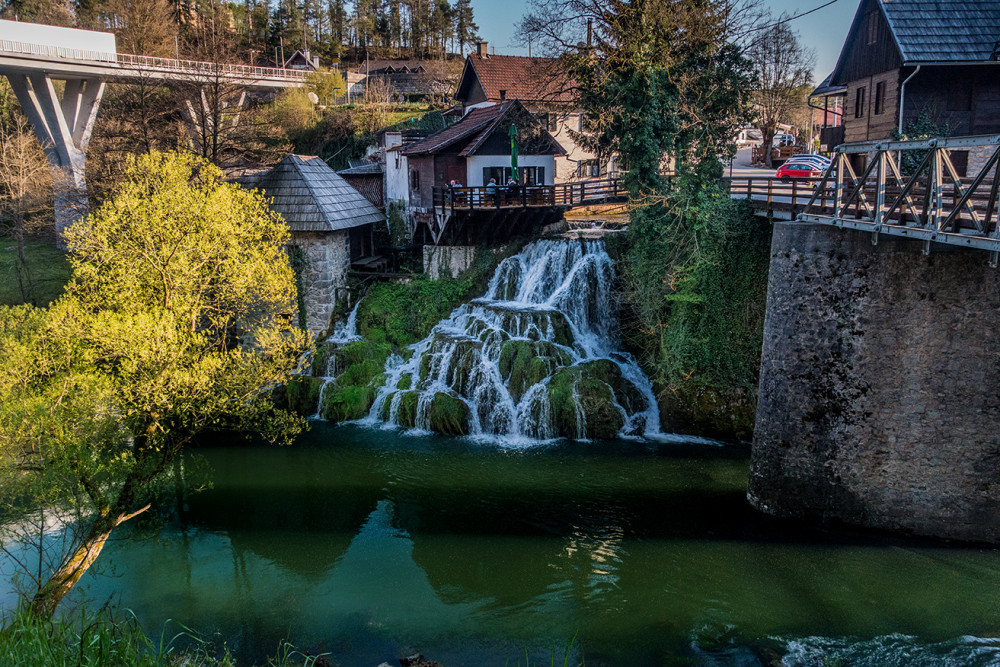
(327, 258)
(879, 398)
(442, 261)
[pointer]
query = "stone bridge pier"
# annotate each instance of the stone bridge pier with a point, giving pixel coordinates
(879, 398)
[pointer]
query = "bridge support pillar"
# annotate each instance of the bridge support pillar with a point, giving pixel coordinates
(205, 115)
(63, 127)
(879, 399)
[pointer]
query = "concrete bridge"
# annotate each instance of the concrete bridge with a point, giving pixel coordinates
(879, 400)
(34, 56)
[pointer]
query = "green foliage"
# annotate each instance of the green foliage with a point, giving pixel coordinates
(302, 394)
(328, 85)
(346, 402)
(50, 271)
(102, 640)
(175, 321)
(449, 415)
(924, 126)
(695, 273)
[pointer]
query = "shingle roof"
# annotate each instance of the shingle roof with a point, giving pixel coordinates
(475, 122)
(362, 169)
(522, 78)
(944, 30)
(825, 89)
(311, 197)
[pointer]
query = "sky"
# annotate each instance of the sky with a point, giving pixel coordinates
(824, 30)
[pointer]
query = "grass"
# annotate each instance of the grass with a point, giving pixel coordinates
(48, 270)
(100, 640)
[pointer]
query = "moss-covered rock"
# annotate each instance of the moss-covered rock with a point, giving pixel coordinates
(302, 394)
(321, 359)
(361, 352)
(583, 395)
(407, 414)
(448, 415)
(344, 403)
(523, 364)
(405, 382)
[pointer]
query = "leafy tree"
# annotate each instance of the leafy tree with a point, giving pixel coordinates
(176, 320)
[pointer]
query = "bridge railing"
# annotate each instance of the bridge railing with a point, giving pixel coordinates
(579, 193)
(923, 198)
(137, 62)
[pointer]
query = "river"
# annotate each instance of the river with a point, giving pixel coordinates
(371, 544)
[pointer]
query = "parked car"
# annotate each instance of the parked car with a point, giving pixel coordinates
(783, 139)
(799, 169)
(811, 156)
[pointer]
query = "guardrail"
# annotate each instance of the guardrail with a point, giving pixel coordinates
(137, 62)
(582, 193)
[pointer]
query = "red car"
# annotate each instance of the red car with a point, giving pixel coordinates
(790, 170)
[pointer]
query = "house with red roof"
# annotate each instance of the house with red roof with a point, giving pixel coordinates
(546, 91)
(471, 152)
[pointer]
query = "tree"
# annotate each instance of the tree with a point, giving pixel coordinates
(51, 12)
(26, 197)
(176, 320)
(144, 27)
(782, 66)
(465, 25)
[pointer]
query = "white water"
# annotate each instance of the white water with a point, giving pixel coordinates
(557, 295)
(344, 331)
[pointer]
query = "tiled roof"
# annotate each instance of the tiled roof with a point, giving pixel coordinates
(522, 78)
(475, 122)
(944, 30)
(311, 197)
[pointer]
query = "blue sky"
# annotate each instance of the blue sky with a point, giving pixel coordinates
(823, 30)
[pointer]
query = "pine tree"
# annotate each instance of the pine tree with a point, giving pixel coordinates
(465, 26)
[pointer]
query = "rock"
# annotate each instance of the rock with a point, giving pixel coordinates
(449, 415)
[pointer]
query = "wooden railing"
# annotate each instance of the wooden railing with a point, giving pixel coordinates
(771, 194)
(582, 193)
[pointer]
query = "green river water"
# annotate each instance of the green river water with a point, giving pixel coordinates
(371, 545)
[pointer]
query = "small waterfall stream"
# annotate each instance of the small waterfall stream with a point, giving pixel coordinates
(536, 357)
(344, 331)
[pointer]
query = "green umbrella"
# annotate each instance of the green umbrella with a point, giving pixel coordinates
(513, 152)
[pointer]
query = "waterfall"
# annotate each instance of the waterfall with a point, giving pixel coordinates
(536, 357)
(347, 331)
(344, 331)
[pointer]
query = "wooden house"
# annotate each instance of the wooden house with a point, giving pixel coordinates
(331, 225)
(303, 61)
(904, 58)
(545, 90)
(471, 152)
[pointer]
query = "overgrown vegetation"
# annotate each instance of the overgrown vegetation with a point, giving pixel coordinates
(102, 640)
(49, 270)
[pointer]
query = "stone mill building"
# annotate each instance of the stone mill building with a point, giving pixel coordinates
(331, 224)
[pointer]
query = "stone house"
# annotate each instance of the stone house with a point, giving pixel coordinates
(545, 91)
(332, 228)
(904, 58)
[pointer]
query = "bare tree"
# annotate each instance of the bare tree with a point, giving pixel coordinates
(145, 27)
(783, 66)
(26, 198)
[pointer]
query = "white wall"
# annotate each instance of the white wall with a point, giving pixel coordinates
(475, 165)
(566, 165)
(58, 38)
(397, 178)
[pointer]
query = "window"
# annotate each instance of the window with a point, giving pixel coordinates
(859, 103)
(529, 175)
(588, 168)
(872, 27)
(960, 160)
(584, 123)
(414, 180)
(879, 97)
(549, 121)
(543, 119)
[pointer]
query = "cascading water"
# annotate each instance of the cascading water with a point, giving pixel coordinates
(537, 357)
(345, 331)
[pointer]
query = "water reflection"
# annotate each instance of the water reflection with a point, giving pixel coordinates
(370, 545)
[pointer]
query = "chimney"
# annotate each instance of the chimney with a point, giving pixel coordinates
(503, 95)
(483, 50)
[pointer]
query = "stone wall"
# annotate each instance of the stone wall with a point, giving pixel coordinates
(879, 398)
(442, 261)
(327, 258)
